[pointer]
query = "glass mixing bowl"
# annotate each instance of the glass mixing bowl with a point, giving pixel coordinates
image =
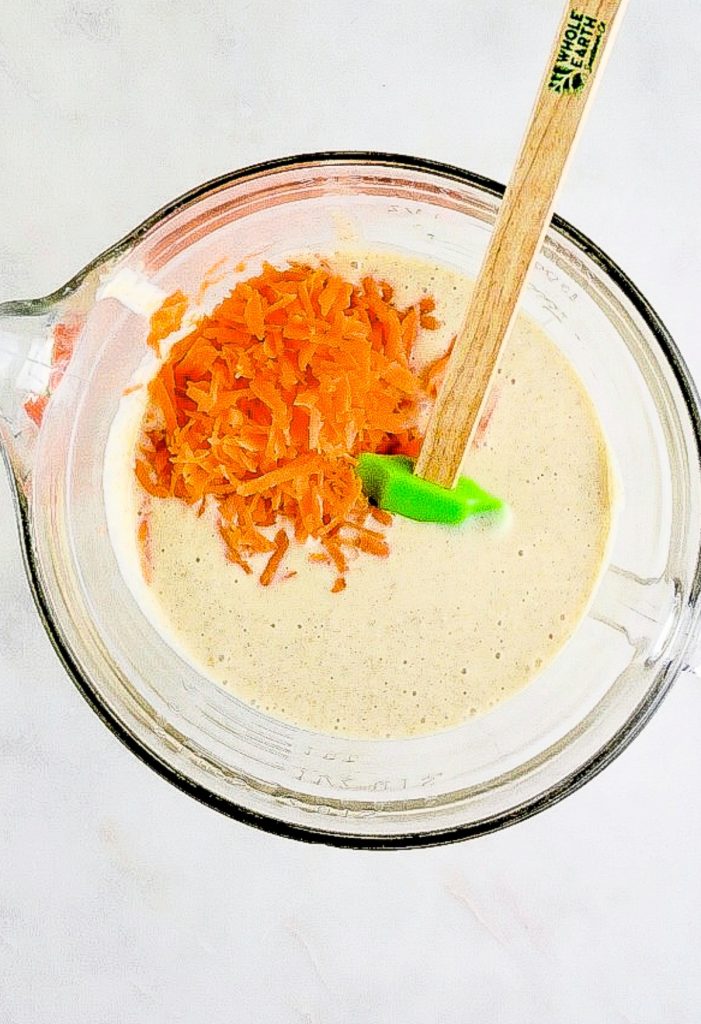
(79, 347)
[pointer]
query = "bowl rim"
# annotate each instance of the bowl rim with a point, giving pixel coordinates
(492, 823)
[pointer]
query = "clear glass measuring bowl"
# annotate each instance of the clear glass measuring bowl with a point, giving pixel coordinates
(64, 362)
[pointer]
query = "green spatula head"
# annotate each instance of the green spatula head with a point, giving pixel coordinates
(389, 481)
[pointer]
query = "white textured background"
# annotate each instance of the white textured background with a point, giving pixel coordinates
(123, 901)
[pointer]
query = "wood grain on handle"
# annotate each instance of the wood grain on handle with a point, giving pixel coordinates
(584, 33)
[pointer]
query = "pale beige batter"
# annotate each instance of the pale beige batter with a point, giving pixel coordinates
(456, 619)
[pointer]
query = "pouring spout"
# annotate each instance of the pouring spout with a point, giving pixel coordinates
(37, 340)
(28, 365)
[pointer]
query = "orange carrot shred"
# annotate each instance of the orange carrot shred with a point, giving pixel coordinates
(334, 549)
(213, 275)
(263, 408)
(66, 334)
(282, 543)
(433, 374)
(167, 318)
(429, 322)
(486, 417)
(144, 539)
(381, 516)
(35, 407)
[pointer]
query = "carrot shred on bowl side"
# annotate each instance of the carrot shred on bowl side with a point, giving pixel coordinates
(265, 405)
(166, 319)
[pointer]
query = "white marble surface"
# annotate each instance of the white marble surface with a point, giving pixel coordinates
(123, 901)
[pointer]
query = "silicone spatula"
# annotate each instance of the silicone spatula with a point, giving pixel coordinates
(430, 489)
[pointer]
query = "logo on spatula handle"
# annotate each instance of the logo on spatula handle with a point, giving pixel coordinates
(577, 53)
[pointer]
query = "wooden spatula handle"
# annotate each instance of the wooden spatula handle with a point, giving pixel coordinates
(576, 59)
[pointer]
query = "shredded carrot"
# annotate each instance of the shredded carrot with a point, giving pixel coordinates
(486, 417)
(339, 585)
(213, 275)
(65, 333)
(282, 542)
(381, 516)
(144, 537)
(167, 318)
(265, 405)
(35, 406)
(333, 547)
(433, 374)
(372, 545)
